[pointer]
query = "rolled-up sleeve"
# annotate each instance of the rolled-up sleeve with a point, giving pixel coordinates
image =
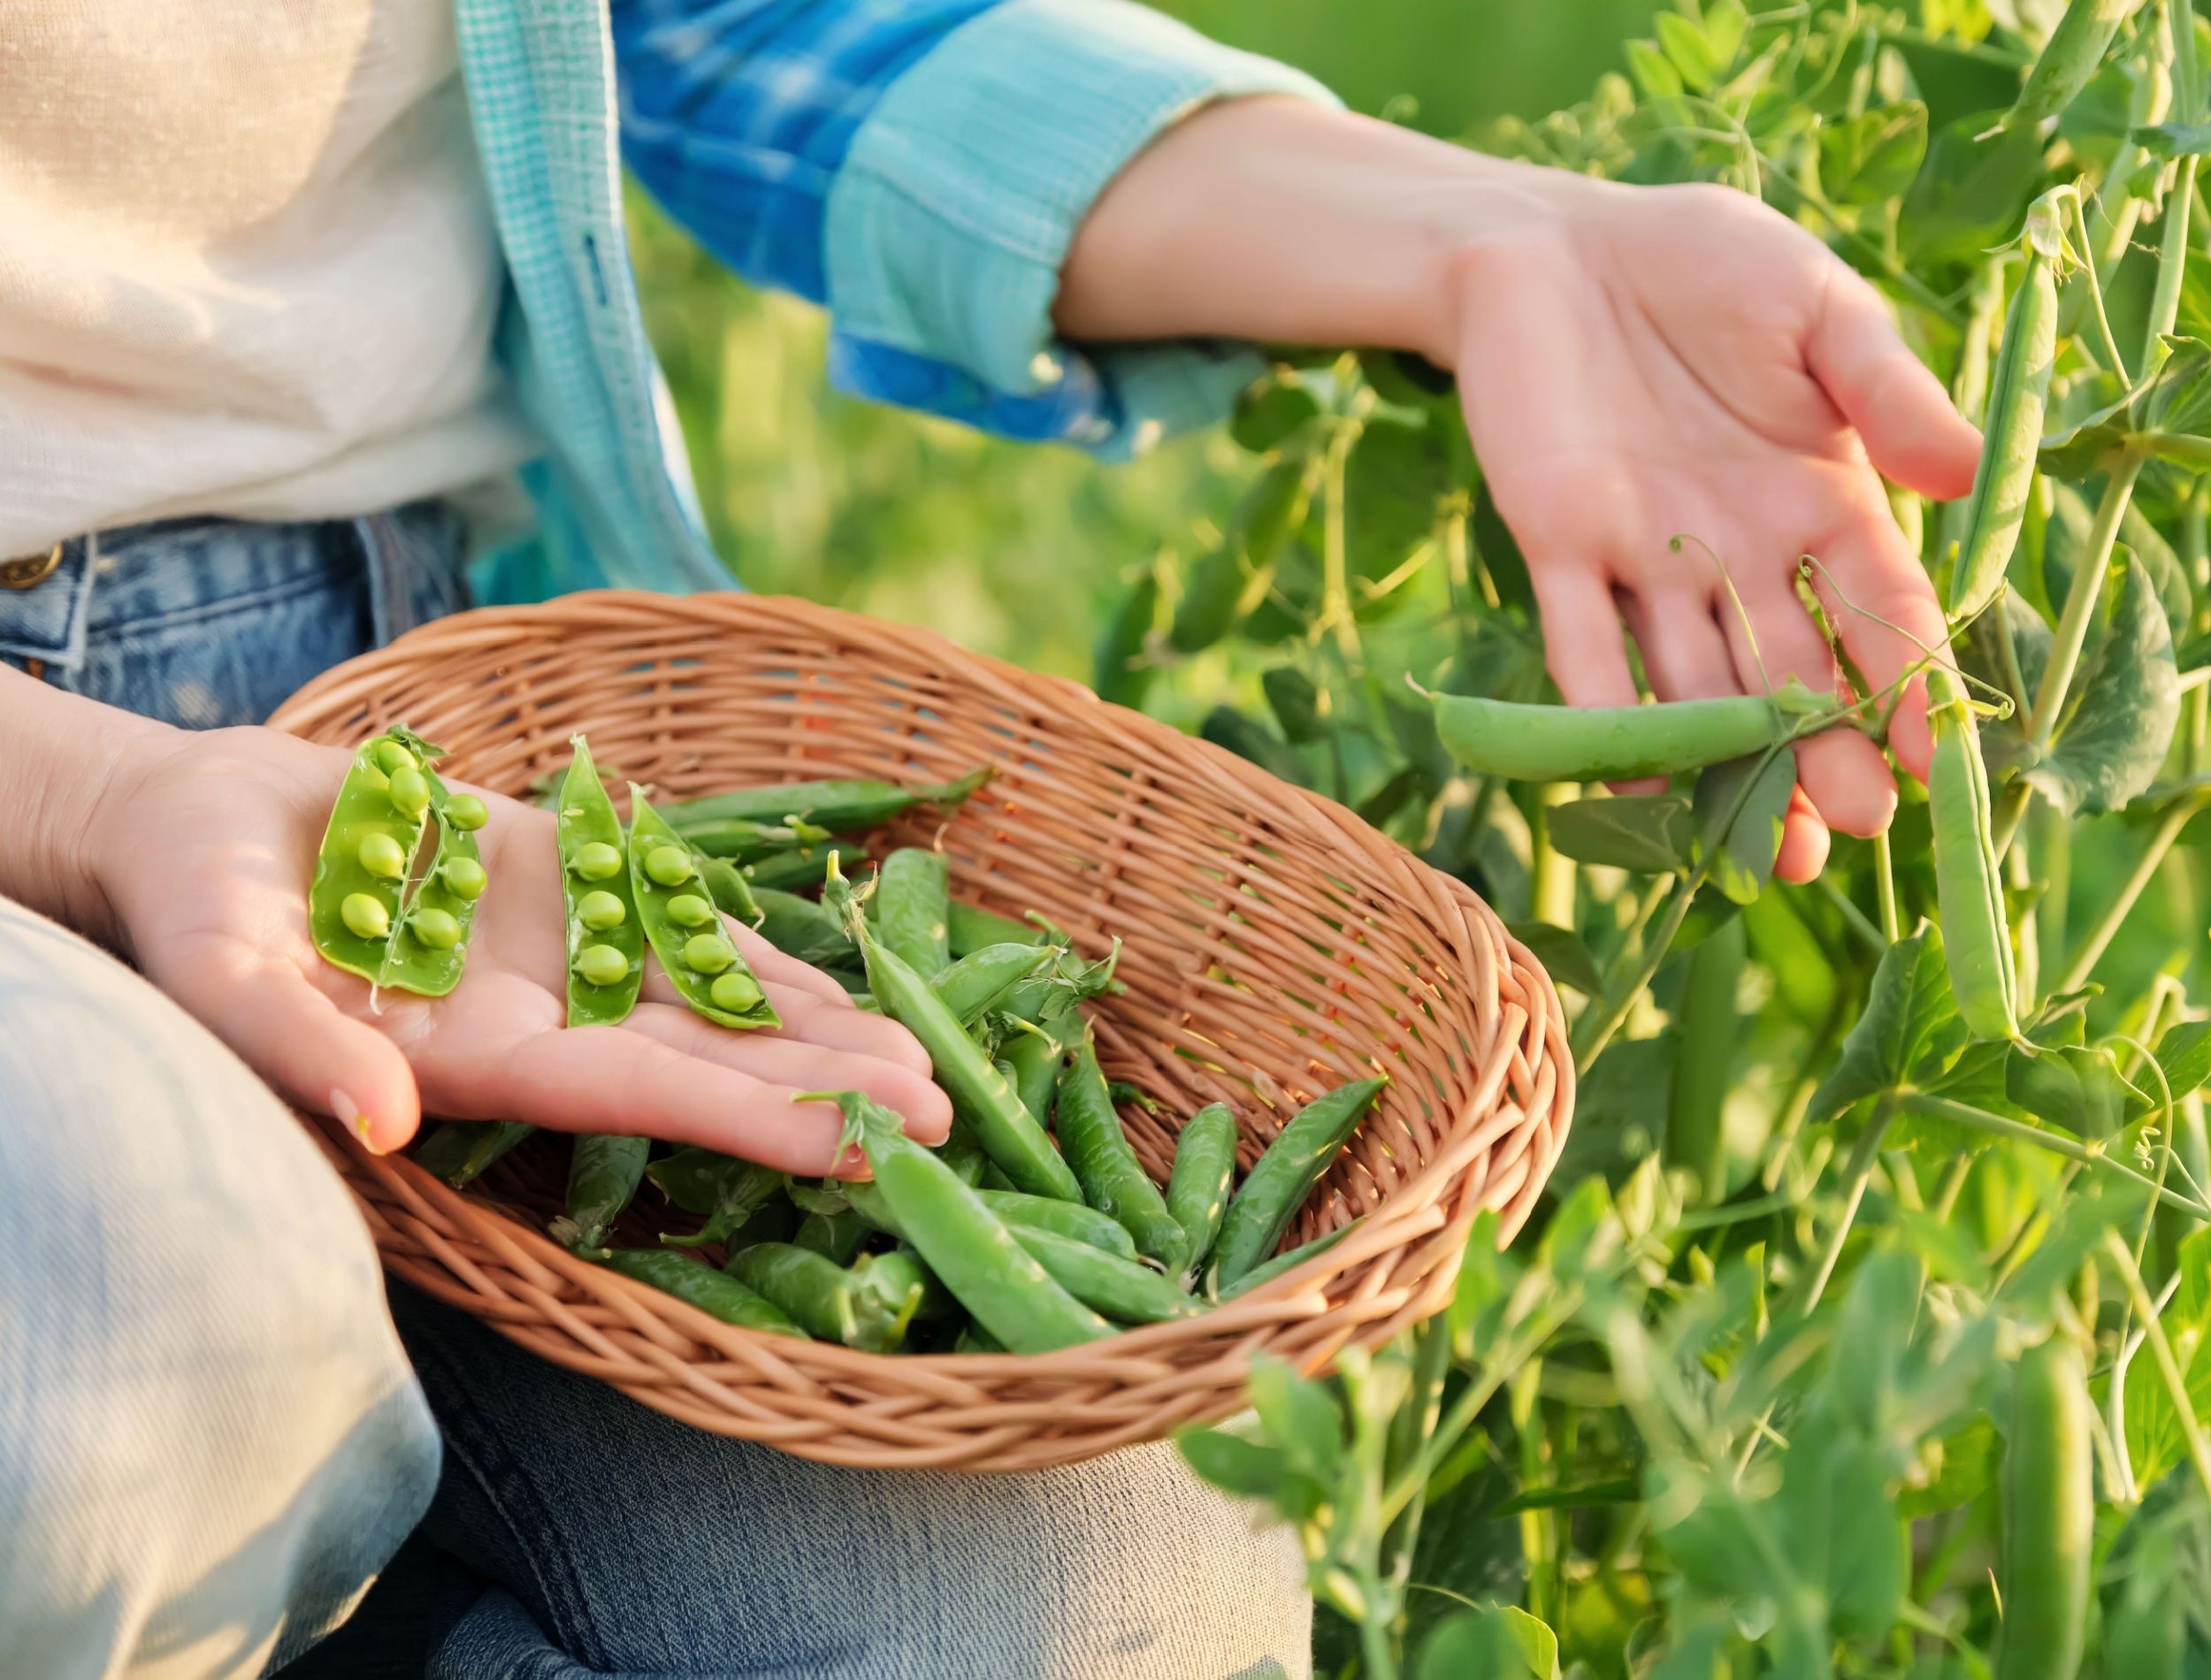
(921, 167)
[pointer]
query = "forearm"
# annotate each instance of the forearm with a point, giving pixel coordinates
(1284, 222)
(60, 754)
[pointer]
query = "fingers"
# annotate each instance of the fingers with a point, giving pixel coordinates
(1583, 646)
(299, 1041)
(1871, 564)
(1841, 772)
(1685, 654)
(1804, 842)
(808, 1019)
(806, 1067)
(1911, 432)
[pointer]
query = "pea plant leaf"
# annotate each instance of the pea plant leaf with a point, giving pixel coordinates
(1744, 842)
(2079, 1089)
(1299, 706)
(1251, 1469)
(2168, 418)
(2032, 1292)
(1647, 833)
(2154, 1441)
(2173, 140)
(1969, 193)
(1268, 414)
(1873, 156)
(1912, 1017)
(2185, 1055)
(1565, 958)
(1394, 479)
(1497, 1641)
(2125, 701)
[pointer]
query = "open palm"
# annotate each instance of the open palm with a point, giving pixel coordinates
(205, 858)
(1683, 361)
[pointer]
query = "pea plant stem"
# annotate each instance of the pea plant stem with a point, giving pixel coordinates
(1885, 884)
(1940, 1108)
(2080, 606)
(1595, 1029)
(2161, 1348)
(2099, 936)
(1857, 1174)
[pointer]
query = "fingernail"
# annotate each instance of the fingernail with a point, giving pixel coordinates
(349, 1114)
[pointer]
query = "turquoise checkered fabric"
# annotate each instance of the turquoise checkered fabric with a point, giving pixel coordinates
(919, 166)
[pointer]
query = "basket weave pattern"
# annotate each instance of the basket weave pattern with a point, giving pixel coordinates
(1273, 946)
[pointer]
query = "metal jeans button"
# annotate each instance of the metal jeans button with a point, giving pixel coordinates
(26, 570)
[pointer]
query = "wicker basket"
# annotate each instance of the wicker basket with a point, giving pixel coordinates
(1273, 946)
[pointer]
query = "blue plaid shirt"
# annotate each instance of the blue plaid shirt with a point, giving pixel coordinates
(918, 166)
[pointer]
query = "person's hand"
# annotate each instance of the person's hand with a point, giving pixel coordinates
(1662, 360)
(203, 846)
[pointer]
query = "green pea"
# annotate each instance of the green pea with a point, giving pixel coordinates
(436, 928)
(394, 756)
(409, 793)
(466, 812)
(602, 965)
(736, 993)
(365, 917)
(600, 911)
(708, 953)
(691, 911)
(669, 866)
(464, 878)
(382, 857)
(597, 861)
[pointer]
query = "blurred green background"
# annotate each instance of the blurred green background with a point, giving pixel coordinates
(1015, 550)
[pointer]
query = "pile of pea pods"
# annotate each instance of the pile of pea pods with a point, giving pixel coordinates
(1032, 1228)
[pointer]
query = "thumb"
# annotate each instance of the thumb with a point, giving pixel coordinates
(1912, 432)
(315, 1055)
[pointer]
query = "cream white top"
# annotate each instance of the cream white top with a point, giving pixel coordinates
(246, 264)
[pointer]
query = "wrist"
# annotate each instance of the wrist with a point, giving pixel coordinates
(64, 761)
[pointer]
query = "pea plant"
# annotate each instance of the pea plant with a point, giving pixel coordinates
(1862, 1330)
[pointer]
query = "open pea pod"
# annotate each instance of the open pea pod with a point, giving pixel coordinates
(375, 827)
(605, 939)
(684, 927)
(429, 945)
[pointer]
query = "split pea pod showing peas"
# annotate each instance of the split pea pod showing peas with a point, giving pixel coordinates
(1525, 743)
(2048, 1511)
(701, 1286)
(428, 946)
(603, 1174)
(1008, 1134)
(912, 907)
(375, 827)
(1281, 1179)
(1205, 1168)
(1000, 1283)
(605, 939)
(687, 935)
(1113, 1181)
(1976, 931)
(2018, 393)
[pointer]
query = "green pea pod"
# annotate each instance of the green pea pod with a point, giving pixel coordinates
(729, 1192)
(999, 1282)
(836, 1236)
(842, 807)
(968, 928)
(1069, 1220)
(893, 1274)
(1528, 742)
(1031, 1063)
(810, 1288)
(727, 886)
(2068, 60)
(974, 1339)
(2048, 1513)
(1231, 578)
(1113, 1181)
(1281, 1263)
(700, 1285)
(595, 866)
(1121, 1290)
(359, 889)
(1008, 1132)
(700, 959)
(1976, 931)
(1205, 1168)
(603, 1174)
(461, 1151)
(2018, 393)
(789, 871)
(1280, 1180)
(743, 842)
(429, 945)
(888, 1292)
(1707, 1024)
(1119, 671)
(975, 984)
(802, 928)
(910, 910)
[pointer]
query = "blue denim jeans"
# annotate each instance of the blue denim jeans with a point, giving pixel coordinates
(215, 1427)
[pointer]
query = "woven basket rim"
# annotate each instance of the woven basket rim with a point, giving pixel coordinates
(1421, 1205)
